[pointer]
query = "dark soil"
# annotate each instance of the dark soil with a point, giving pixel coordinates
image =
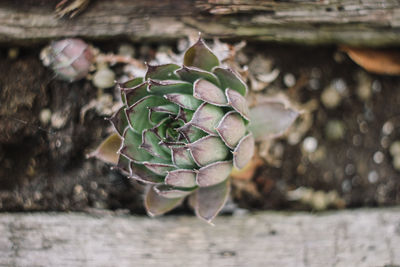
(43, 168)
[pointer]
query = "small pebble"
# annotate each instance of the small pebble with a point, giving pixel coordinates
(373, 177)
(319, 200)
(310, 144)
(376, 86)
(58, 120)
(395, 149)
(183, 44)
(289, 80)
(378, 157)
(364, 90)
(314, 83)
(339, 85)
(335, 130)
(45, 116)
(331, 98)
(387, 128)
(103, 78)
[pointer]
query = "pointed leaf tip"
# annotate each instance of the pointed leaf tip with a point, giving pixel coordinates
(107, 151)
(210, 200)
(157, 205)
(200, 56)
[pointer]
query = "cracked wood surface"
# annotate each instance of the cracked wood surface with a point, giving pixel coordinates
(367, 237)
(357, 22)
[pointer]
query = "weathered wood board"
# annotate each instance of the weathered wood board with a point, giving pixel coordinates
(365, 22)
(346, 238)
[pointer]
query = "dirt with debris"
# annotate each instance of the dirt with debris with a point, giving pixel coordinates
(337, 155)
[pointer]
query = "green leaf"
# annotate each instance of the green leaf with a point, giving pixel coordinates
(181, 157)
(131, 149)
(107, 151)
(157, 114)
(191, 133)
(138, 113)
(200, 56)
(229, 79)
(129, 84)
(158, 205)
(119, 121)
(210, 200)
(191, 74)
(159, 168)
(132, 95)
(150, 143)
(167, 87)
(162, 72)
(208, 149)
(271, 119)
(142, 174)
(184, 100)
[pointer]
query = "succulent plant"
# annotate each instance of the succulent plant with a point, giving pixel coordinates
(69, 58)
(181, 130)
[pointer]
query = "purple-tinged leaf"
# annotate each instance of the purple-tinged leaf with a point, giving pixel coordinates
(107, 151)
(168, 191)
(162, 72)
(207, 117)
(191, 74)
(244, 151)
(200, 56)
(130, 148)
(137, 114)
(208, 149)
(181, 157)
(142, 174)
(229, 79)
(150, 143)
(238, 102)
(271, 119)
(214, 173)
(185, 114)
(181, 178)
(119, 121)
(231, 129)
(208, 92)
(168, 87)
(184, 100)
(159, 168)
(134, 94)
(191, 133)
(157, 205)
(129, 84)
(210, 200)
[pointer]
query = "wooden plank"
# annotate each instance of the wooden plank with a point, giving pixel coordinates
(364, 237)
(366, 22)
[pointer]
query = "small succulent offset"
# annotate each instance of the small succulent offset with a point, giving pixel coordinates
(181, 130)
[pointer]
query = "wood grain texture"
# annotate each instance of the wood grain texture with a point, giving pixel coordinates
(356, 22)
(346, 238)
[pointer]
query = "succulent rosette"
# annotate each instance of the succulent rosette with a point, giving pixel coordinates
(181, 130)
